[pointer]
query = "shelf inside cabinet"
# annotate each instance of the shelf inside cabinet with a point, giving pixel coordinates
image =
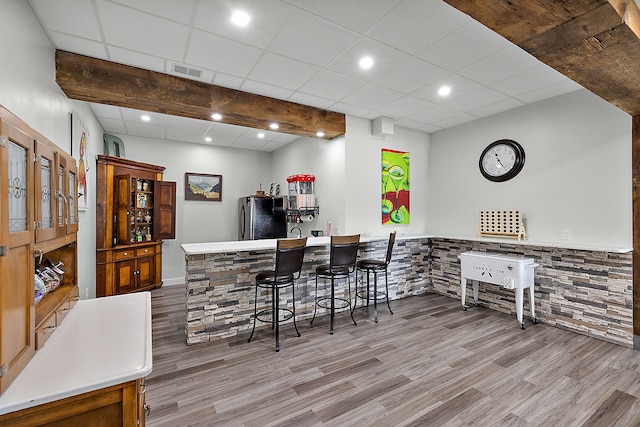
(52, 300)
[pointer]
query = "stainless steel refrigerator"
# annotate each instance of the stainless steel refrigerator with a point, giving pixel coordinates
(257, 220)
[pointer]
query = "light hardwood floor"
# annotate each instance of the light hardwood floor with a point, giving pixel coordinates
(428, 364)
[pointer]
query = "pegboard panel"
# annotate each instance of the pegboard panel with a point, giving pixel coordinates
(501, 224)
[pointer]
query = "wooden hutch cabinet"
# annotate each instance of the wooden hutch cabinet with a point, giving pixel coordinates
(38, 227)
(135, 212)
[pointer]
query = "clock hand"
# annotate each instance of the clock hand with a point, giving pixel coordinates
(498, 159)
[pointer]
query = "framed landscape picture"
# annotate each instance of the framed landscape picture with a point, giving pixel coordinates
(200, 186)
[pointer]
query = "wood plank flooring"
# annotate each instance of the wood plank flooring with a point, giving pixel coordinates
(428, 364)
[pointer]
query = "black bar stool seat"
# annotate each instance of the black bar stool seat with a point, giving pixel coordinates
(289, 259)
(342, 263)
(375, 266)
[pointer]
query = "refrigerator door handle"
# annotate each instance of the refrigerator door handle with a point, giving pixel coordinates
(243, 221)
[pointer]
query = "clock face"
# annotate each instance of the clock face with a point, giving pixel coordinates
(501, 160)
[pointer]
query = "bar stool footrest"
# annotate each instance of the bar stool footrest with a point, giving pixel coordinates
(379, 295)
(326, 303)
(266, 315)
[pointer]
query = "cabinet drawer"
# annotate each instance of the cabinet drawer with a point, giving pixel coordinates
(74, 297)
(45, 330)
(124, 254)
(62, 311)
(146, 251)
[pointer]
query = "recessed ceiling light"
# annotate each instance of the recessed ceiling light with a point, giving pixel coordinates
(274, 126)
(216, 116)
(145, 118)
(444, 91)
(366, 62)
(320, 134)
(261, 135)
(207, 138)
(240, 18)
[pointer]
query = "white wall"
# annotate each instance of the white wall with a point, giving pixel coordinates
(363, 178)
(198, 221)
(326, 161)
(577, 174)
(28, 89)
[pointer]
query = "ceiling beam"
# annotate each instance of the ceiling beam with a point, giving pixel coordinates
(593, 42)
(95, 80)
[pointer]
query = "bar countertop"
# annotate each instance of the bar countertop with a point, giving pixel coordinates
(264, 244)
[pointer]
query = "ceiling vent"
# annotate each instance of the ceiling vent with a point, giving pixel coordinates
(183, 69)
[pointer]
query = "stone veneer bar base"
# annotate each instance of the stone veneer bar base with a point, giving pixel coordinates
(584, 291)
(220, 293)
(589, 292)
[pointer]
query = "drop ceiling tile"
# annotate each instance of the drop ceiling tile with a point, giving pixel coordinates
(281, 71)
(267, 16)
(227, 129)
(331, 85)
(384, 57)
(310, 100)
(145, 129)
(226, 80)
(410, 75)
(82, 22)
(264, 89)
(136, 59)
(414, 25)
(106, 111)
(135, 30)
(113, 125)
(372, 97)
(472, 96)
(220, 54)
(456, 120)
(156, 119)
(434, 114)
(182, 134)
(79, 45)
(356, 15)
(311, 39)
(499, 66)
(498, 107)
(349, 109)
(550, 91)
(529, 80)
(189, 123)
(464, 46)
(181, 11)
(405, 106)
(414, 124)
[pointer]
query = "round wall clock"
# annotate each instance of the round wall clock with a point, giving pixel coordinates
(501, 160)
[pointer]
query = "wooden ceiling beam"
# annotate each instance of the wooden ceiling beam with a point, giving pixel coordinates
(95, 80)
(593, 42)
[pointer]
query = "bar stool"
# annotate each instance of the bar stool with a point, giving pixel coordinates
(342, 262)
(289, 257)
(375, 266)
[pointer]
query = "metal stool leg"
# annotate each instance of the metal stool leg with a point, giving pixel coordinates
(386, 285)
(333, 306)
(315, 306)
(293, 303)
(349, 295)
(375, 294)
(276, 313)
(255, 314)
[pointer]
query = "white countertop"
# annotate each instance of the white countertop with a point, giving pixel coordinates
(100, 343)
(256, 245)
(262, 244)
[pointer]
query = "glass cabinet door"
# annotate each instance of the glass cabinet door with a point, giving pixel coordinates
(72, 196)
(45, 190)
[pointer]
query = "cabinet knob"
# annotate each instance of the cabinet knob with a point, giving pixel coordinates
(126, 253)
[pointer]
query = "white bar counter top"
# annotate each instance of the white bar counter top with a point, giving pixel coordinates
(262, 244)
(101, 342)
